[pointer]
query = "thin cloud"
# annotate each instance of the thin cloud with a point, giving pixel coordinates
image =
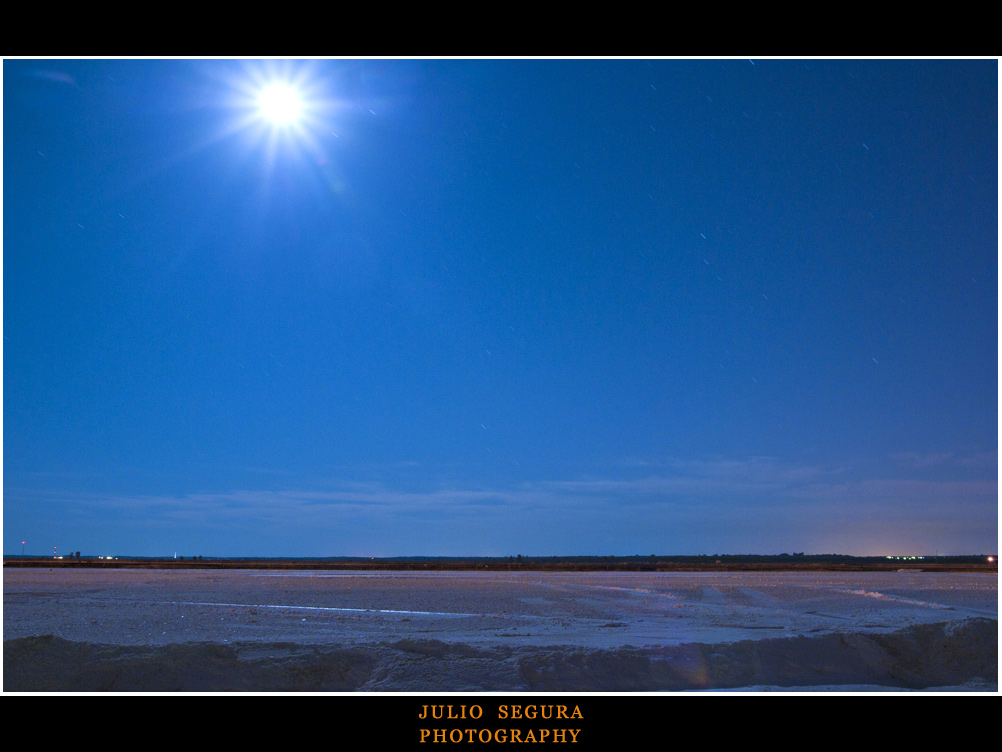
(690, 506)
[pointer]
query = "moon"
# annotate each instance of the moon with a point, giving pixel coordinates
(281, 108)
(280, 104)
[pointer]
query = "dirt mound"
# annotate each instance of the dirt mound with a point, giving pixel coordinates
(932, 655)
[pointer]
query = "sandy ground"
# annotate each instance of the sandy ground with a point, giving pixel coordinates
(149, 607)
(435, 615)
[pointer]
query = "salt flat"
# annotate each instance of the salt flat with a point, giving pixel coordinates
(156, 607)
(524, 612)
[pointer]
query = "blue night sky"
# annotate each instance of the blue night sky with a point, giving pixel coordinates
(499, 307)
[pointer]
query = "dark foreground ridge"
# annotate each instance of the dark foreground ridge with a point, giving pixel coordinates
(919, 657)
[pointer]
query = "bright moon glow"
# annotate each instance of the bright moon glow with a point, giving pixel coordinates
(280, 104)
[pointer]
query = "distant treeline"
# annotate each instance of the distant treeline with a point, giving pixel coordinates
(635, 563)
